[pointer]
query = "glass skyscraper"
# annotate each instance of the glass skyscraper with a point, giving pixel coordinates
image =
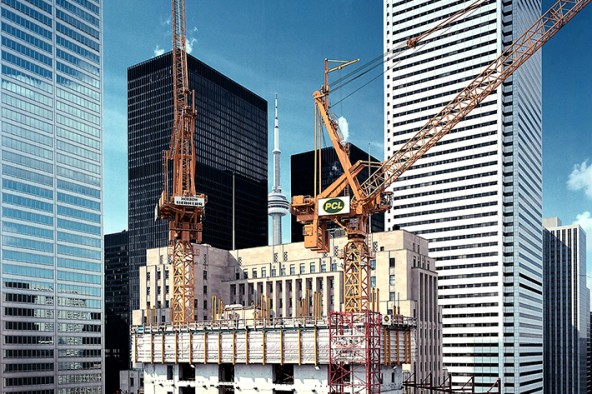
(51, 304)
(477, 195)
(231, 158)
(566, 308)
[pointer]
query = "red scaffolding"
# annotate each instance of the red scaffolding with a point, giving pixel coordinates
(354, 365)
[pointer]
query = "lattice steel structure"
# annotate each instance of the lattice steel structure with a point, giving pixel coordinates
(354, 352)
(183, 207)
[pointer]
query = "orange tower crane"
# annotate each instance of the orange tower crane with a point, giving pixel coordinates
(182, 206)
(349, 203)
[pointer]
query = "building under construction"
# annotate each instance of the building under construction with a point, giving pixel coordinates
(357, 345)
(264, 319)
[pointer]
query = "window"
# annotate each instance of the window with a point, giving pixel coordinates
(254, 273)
(302, 268)
(312, 268)
(292, 269)
(391, 280)
(333, 267)
(391, 262)
(283, 271)
(373, 264)
(273, 272)
(264, 272)
(323, 267)
(373, 281)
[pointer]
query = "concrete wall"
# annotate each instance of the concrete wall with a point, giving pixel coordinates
(254, 379)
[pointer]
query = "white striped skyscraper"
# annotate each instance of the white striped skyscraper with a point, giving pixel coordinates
(477, 195)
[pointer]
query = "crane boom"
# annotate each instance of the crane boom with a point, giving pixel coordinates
(471, 96)
(183, 207)
(370, 196)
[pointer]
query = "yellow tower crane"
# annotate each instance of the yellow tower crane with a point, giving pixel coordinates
(182, 206)
(349, 203)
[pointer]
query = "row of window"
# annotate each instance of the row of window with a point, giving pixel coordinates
(22, 63)
(79, 176)
(27, 188)
(93, 57)
(77, 163)
(28, 353)
(33, 13)
(27, 134)
(29, 326)
(78, 100)
(24, 119)
(27, 24)
(78, 12)
(82, 290)
(22, 91)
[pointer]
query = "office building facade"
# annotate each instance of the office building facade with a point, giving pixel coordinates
(116, 308)
(288, 277)
(477, 195)
(231, 152)
(566, 308)
(51, 294)
(302, 179)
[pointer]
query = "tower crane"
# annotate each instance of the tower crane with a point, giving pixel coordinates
(180, 204)
(348, 202)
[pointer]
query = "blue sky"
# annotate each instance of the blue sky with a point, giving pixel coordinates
(279, 46)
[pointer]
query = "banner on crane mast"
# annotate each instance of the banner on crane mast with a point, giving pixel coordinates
(190, 201)
(333, 206)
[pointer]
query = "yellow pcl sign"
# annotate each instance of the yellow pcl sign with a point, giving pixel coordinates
(333, 206)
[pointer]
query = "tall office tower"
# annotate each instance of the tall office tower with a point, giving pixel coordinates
(51, 299)
(51, 302)
(566, 308)
(589, 359)
(116, 308)
(476, 196)
(231, 165)
(277, 204)
(302, 180)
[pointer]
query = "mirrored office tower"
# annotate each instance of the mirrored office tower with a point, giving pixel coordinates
(51, 268)
(476, 196)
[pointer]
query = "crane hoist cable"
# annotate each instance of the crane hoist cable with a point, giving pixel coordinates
(400, 49)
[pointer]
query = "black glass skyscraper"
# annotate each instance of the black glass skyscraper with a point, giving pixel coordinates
(116, 308)
(302, 179)
(231, 145)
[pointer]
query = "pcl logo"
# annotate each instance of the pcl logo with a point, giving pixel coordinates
(334, 206)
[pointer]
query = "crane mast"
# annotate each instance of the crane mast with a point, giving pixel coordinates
(371, 196)
(182, 206)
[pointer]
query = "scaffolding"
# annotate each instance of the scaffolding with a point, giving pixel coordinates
(354, 365)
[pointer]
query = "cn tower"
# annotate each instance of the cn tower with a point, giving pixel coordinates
(277, 205)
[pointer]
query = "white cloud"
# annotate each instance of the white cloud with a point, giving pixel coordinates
(344, 127)
(190, 42)
(158, 51)
(581, 178)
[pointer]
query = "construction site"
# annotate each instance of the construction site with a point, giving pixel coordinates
(356, 313)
